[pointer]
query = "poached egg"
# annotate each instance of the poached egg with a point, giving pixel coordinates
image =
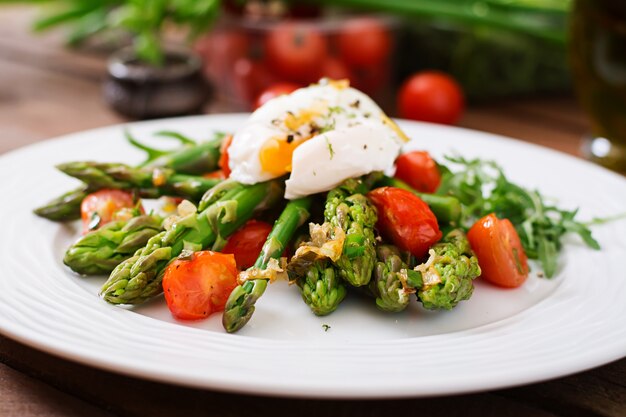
(320, 135)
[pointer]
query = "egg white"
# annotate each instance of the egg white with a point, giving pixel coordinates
(350, 126)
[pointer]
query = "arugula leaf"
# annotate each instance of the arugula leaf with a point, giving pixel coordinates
(482, 188)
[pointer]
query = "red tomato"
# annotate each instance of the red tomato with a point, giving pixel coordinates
(247, 242)
(431, 96)
(200, 286)
(405, 219)
(499, 251)
(419, 170)
(273, 91)
(334, 69)
(224, 160)
(250, 78)
(363, 42)
(295, 51)
(99, 208)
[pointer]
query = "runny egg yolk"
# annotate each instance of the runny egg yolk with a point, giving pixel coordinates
(275, 155)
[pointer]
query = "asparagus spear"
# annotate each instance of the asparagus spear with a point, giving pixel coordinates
(348, 208)
(64, 207)
(100, 251)
(448, 274)
(191, 159)
(139, 278)
(148, 182)
(240, 305)
(322, 288)
(321, 281)
(393, 281)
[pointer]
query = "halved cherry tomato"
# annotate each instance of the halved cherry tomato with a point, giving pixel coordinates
(197, 287)
(405, 219)
(273, 91)
(100, 207)
(431, 96)
(419, 170)
(295, 51)
(364, 42)
(223, 161)
(247, 242)
(499, 251)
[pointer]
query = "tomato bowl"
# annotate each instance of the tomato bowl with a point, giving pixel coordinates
(244, 58)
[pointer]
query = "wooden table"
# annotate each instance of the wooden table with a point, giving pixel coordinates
(47, 91)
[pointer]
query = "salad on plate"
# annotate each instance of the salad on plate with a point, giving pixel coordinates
(315, 189)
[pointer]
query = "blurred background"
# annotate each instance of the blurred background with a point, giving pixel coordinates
(445, 61)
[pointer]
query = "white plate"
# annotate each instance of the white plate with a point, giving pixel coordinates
(499, 338)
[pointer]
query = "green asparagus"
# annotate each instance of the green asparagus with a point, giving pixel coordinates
(240, 305)
(139, 278)
(393, 280)
(191, 159)
(100, 251)
(342, 249)
(65, 207)
(322, 288)
(448, 273)
(348, 208)
(148, 182)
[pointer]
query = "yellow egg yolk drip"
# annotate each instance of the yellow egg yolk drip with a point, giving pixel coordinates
(276, 153)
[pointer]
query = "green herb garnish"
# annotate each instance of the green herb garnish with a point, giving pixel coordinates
(482, 188)
(330, 147)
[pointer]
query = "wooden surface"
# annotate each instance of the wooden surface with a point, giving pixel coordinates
(47, 91)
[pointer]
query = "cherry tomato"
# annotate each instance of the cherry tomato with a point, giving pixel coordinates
(431, 96)
(334, 69)
(197, 287)
(273, 91)
(247, 242)
(295, 51)
(224, 160)
(250, 78)
(99, 208)
(405, 219)
(364, 42)
(499, 251)
(419, 170)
